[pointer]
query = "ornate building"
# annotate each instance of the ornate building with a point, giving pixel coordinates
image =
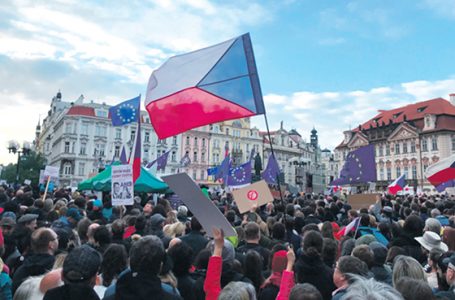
(407, 140)
(298, 160)
(79, 138)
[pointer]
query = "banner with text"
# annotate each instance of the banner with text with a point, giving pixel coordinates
(122, 185)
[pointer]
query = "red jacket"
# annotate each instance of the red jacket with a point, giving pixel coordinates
(287, 283)
(212, 283)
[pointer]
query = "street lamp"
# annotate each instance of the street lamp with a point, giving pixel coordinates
(15, 148)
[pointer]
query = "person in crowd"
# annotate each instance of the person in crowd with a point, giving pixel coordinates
(407, 266)
(305, 291)
(413, 289)
(195, 238)
(371, 289)
(182, 257)
(252, 237)
(115, 261)
(79, 274)
(346, 267)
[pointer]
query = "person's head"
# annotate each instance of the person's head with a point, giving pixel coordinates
(117, 228)
(115, 260)
(305, 291)
(182, 257)
(365, 254)
(253, 268)
(238, 290)
(327, 230)
(252, 232)
(147, 255)
(195, 225)
(329, 251)
(312, 243)
(379, 253)
(431, 224)
(102, 236)
(413, 225)
(278, 231)
(413, 289)
(73, 215)
(29, 221)
(148, 208)
(44, 240)
(406, 266)
(91, 232)
(345, 268)
(393, 252)
(116, 187)
(371, 289)
(450, 274)
(81, 266)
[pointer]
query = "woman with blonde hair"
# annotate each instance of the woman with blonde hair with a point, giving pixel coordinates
(406, 266)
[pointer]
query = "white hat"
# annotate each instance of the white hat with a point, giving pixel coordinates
(431, 240)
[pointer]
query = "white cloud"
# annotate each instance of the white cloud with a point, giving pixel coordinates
(334, 112)
(442, 7)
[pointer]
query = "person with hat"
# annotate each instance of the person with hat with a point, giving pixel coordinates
(431, 240)
(29, 221)
(156, 228)
(44, 243)
(79, 274)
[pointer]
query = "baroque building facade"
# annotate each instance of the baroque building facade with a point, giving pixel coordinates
(407, 140)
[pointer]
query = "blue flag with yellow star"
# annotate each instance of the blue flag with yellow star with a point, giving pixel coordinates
(360, 167)
(240, 175)
(126, 112)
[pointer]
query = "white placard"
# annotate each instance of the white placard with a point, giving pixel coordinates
(122, 189)
(51, 171)
(27, 181)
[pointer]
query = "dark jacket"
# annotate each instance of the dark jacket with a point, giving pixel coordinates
(313, 270)
(34, 265)
(409, 244)
(71, 292)
(137, 286)
(382, 274)
(195, 240)
(185, 285)
(265, 253)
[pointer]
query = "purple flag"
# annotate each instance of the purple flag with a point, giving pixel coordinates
(223, 170)
(359, 167)
(185, 161)
(123, 159)
(272, 171)
(161, 161)
(240, 175)
(441, 188)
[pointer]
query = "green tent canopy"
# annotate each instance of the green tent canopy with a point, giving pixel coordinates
(146, 182)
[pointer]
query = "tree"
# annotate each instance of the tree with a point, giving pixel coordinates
(29, 168)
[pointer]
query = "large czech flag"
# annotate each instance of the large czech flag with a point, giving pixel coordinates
(397, 185)
(206, 86)
(441, 172)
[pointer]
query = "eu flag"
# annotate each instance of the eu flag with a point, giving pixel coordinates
(360, 167)
(126, 112)
(240, 175)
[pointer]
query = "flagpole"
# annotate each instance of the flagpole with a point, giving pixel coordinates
(273, 153)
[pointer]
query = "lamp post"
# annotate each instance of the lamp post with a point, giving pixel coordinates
(15, 148)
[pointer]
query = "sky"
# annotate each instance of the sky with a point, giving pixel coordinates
(325, 64)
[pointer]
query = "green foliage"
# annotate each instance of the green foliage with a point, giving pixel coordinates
(29, 168)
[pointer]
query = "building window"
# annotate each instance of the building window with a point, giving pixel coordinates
(73, 147)
(83, 149)
(81, 169)
(405, 172)
(68, 127)
(389, 173)
(174, 140)
(202, 174)
(195, 156)
(195, 142)
(117, 151)
(67, 147)
(100, 130)
(187, 141)
(413, 147)
(381, 173)
(203, 142)
(453, 142)
(194, 174)
(405, 147)
(146, 154)
(118, 133)
(173, 156)
(67, 169)
(227, 131)
(398, 171)
(215, 158)
(84, 128)
(203, 157)
(414, 172)
(424, 145)
(147, 137)
(397, 148)
(102, 149)
(425, 167)
(381, 150)
(434, 143)
(387, 150)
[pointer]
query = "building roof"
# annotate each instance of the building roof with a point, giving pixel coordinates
(411, 112)
(78, 110)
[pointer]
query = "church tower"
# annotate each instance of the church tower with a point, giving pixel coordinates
(314, 138)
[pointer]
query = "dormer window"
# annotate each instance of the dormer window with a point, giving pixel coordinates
(397, 115)
(421, 109)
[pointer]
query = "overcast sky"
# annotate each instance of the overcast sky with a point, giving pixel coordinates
(327, 64)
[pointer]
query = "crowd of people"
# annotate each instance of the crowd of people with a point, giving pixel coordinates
(73, 245)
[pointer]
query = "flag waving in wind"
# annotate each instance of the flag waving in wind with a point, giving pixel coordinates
(360, 167)
(240, 175)
(185, 161)
(123, 159)
(397, 185)
(206, 86)
(442, 173)
(125, 112)
(223, 170)
(161, 161)
(272, 171)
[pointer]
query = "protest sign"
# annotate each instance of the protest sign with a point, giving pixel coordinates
(27, 181)
(359, 201)
(51, 171)
(256, 194)
(122, 185)
(202, 207)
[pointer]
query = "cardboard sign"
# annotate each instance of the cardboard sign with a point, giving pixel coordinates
(122, 185)
(27, 181)
(358, 201)
(257, 194)
(51, 171)
(202, 207)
